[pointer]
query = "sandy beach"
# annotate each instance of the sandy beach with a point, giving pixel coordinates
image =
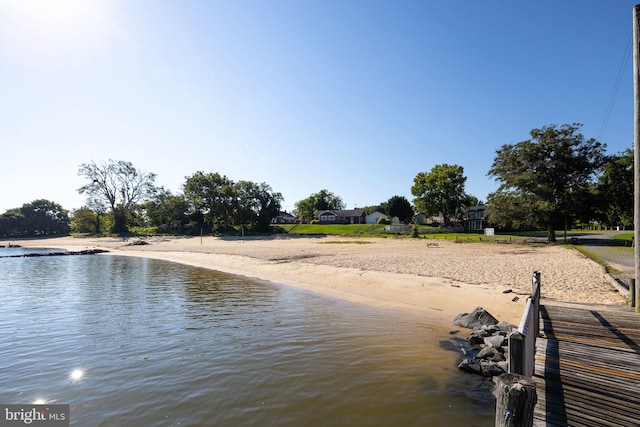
(415, 276)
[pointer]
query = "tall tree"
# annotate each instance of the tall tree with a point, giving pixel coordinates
(473, 201)
(11, 223)
(225, 203)
(322, 200)
(119, 185)
(168, 212)
(246, 205)
(400, 207)
(44, 217)
(213, 195)
(440, 191)
(38, 218)
(615, 189)
(546, 177)
(269, 205)
(256, 205)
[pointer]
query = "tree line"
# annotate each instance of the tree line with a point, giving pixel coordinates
(121, 197)
(555, 179)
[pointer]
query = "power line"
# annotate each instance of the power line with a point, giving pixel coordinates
(616, 86)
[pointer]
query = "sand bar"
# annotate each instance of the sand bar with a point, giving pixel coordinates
(437, 279)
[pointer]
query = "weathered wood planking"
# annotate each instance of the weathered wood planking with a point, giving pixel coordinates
(587, 369)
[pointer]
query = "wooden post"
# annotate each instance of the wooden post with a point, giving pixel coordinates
(515, 400)
(516, 353)
(636, 147)
(632, 293)
(536, 292)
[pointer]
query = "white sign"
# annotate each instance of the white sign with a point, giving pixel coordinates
(489, 231)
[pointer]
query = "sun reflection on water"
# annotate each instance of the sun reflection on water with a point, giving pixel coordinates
(76, 374)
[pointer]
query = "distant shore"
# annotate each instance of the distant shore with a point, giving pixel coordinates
(436, 279)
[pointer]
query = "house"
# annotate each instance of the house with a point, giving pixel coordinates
(419, 218)
(438, 220)
(474, 218)
(337, 216)
(373, 218)
(285, 218)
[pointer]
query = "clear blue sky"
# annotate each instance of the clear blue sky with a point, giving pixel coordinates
(352, 96)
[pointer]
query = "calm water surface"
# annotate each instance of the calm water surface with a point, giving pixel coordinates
(137, 342)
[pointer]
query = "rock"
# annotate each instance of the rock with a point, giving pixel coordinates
(491, 329)
(507, 327)
(495, 341)
(489, 343)
(491, 354)
(137, 243)
(476, 319)
(459, 319)
(50, 254)
(469, 365)
(491, 369)
(477, 337)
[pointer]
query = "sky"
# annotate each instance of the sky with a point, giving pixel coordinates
(352, 96)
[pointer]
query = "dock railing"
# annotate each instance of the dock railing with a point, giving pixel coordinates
(522, 342)
(516, 391)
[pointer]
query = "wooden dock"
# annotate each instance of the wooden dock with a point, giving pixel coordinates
(587, 366)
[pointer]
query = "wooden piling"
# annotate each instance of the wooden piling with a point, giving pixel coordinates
(516, 352)
(632, 293)
(515, 400)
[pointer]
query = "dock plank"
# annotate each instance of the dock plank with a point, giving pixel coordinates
(587, 367)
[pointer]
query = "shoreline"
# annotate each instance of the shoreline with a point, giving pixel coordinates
(404, 275)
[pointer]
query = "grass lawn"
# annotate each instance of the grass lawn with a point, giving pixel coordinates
(377, 230)
(627, 237)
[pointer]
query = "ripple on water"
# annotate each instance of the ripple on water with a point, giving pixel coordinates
(136, 342)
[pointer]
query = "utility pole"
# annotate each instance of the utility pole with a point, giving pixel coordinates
(636, 149)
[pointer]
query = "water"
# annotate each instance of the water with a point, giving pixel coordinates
(137, 342)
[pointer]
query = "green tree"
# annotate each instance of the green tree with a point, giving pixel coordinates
(246, 204)
(92, 218)
(400, 207)
(38, 218)
(11, 223)
(304, 209)
(440, 191)
(44, 217)
(212, 195)
(615, 190)
(86, 221)
(545, 178)
(256, 205)
(322, 200)
(169, 213)
(512, 209)
(473, 201)
(119, 185)
(269, 205)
